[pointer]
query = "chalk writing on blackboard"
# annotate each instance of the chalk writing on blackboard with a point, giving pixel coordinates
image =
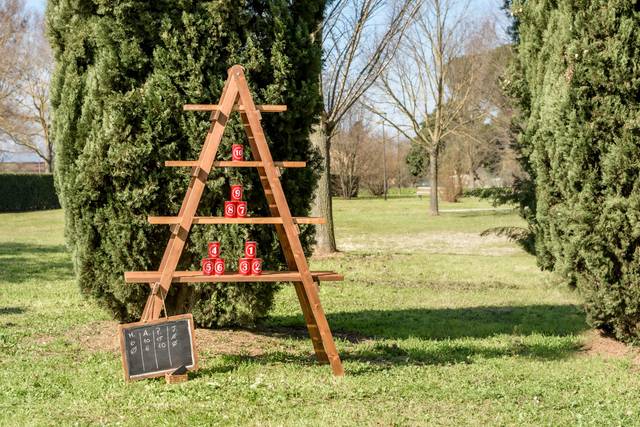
(153, 348)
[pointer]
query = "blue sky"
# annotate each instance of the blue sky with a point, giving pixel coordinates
(480, 8)
(36, 5)
(483, 8)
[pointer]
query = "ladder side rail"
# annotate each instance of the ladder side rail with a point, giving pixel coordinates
(312, 326)
(154, 300)
(190, 203)
(253, 118)
(175, 229)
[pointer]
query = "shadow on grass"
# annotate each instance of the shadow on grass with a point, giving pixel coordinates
(377, 356)
(11, 310)
(20, 262)
(383, 355)
(388, 338)
(463, 213)
(380, 355)
(452, 323)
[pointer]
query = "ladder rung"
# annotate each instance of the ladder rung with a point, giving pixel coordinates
(167, 220)
(235, 164)
(197, 276)
(181, 163)
(214, 107)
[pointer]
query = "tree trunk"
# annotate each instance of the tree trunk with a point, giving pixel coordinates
(50, 154)
(459, 189)
(322, 205)
(182, 303)
(433, 172)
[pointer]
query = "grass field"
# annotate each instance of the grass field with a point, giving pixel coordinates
(435, 324)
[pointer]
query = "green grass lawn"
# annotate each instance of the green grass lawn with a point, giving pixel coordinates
(435, 325)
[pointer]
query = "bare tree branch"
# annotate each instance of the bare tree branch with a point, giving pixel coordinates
(360, 37)
(429, 86)
(25, 70)
(352, 64)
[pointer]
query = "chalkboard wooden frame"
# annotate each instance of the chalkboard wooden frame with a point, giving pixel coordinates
(125, 326)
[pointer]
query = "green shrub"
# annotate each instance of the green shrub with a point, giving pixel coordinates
(27, 192)
(124, 69)
(578, 82)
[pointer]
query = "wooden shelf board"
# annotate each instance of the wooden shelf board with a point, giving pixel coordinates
(232, 276)
(235, 164)
(169, 220)
(268, 108)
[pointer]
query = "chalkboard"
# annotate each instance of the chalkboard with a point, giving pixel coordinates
(154, 348)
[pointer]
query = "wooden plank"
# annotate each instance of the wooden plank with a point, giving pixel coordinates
(234, 164)
(191, 201)
(166, 220)
(312, 326)
(176, 231)
(309, 317)
(267, 108)
(327, 276)
(312, 301)
(236, 96)
(231, 276)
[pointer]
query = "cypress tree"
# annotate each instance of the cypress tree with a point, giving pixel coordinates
(123, 71)
(578, 77)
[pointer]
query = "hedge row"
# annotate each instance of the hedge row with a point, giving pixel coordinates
(22, 192)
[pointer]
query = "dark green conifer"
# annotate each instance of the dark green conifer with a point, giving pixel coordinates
(577, 77)
(123, 71)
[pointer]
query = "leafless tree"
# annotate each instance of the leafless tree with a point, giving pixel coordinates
(426, 90)
(372, 176)
(357, 156)
(359, 39)
(13, 25)
(25, 69)
(398, 168)
(347, 157)
(480, 149)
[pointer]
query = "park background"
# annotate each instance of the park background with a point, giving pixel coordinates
(441, 319)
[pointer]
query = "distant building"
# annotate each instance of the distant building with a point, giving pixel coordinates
(23, 167)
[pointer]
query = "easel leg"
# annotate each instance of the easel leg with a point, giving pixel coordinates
(312, 326)
(312, 302)
(288, 233)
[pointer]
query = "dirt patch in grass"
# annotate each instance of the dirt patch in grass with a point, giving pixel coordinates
(434, 242)
(103, 336)
(332, 255)
(597, 344)
(96, 336)
(44, 339)
(229, 341)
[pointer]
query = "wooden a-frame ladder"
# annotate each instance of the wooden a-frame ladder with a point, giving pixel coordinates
(236, 96)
